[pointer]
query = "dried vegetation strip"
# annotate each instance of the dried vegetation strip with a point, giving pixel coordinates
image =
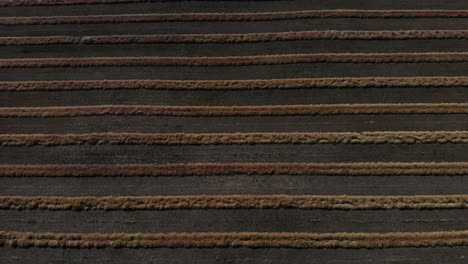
(233, 202)
(300, 83)
(213, 17)
(240, 239)
(237, 60)
(275, 36)
(266, 110)
(380, 137)
(235, 38)
(219, 169)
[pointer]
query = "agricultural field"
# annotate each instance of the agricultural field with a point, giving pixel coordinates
(233, 131)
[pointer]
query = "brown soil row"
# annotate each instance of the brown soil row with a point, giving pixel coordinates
(236, 38)
(233, 202)
(237, 60)
(267, 110)
(379, 137)
(219, 169)
(240, 239)
(202, 17)
(303, 83)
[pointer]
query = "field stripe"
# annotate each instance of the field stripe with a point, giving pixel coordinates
(237, 60)
(220, 169)
(233, 202)
(12, 3)
(235, 38)
(379, 137)
(274, 36)
(240, 239)
(220, 17)
(300, 83)
(266, 110)
(43, 40)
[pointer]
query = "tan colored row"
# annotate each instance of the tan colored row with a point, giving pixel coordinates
(379, 137)
(220, 169)
(235, 38)
(263, 110)
(298, 83)
(238, 60)
(259, 16)
(224, 240)
(233, 202)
